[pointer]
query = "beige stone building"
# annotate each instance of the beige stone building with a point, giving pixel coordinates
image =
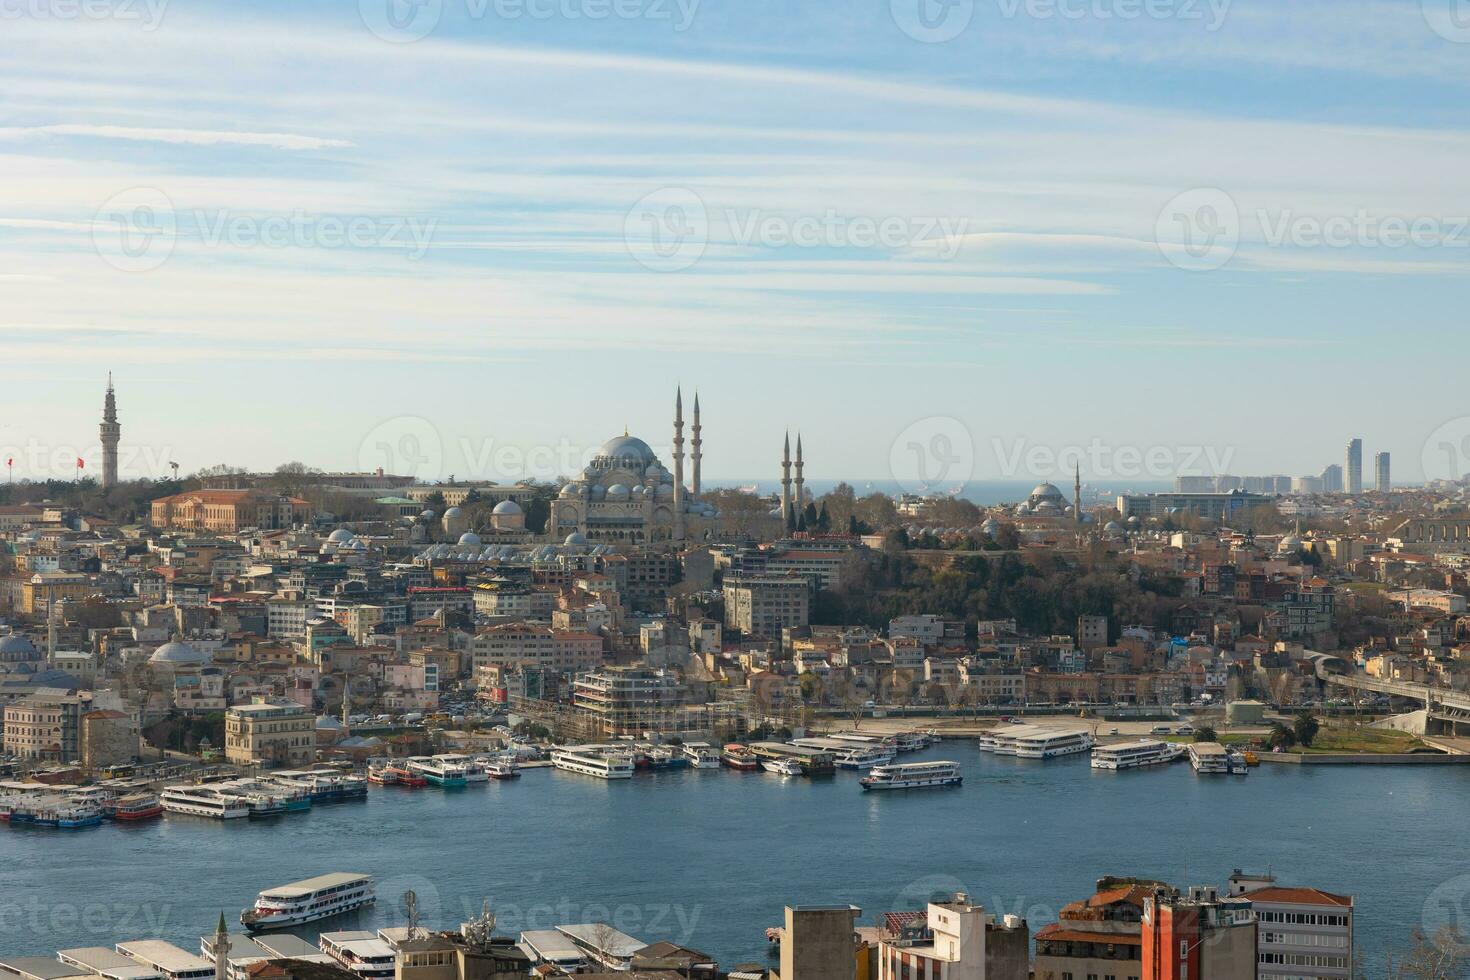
(229, 510)
(109, 738)
(270, 733)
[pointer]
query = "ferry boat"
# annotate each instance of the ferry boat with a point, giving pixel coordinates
(138, 806)
(913, 775)
(665, 757)
(593, 760)
(1132, 755)
(782, 767)
(863, 758)
(1239, 764)
(294, 793)
(501, 769)
(309, 900)
(701, 755)
(392, 775)
(1050, 745)
(912, 741)
(474, 769)
(737, 756)
(201, 802)
(1212, 757)
(439, 772)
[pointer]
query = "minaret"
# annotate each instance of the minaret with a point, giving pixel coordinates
(695, 453)
(800, 484)
(786, 483)
(678, 464)
(221, 950)
(111, 431)
(1077, 498)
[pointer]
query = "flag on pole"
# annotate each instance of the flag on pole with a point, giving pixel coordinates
(81, 463)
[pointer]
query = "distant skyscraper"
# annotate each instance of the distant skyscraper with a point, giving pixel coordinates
(1381, 472)
(111, 432)
(1332, 479)
(1353, 471)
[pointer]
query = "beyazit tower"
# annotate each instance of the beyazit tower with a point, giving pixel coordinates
(111, 432)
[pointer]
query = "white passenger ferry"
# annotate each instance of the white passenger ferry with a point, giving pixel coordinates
(913, 775)
(1210, 757)
(203, 802)
(1132, 755)
(863, 758)
(309, 900)
(474, 769)
(782, 767)
(1002, 740)
(1050, 744)
(593, 760)
(702, 755)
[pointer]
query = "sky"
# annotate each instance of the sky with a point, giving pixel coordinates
(944, 240)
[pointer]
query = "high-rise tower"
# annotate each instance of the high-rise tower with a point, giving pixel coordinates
(1352, 473)
(695, 453)
(1077, 497)
(111, 432)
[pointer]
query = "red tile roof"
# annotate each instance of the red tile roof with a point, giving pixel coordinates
(1056, 933)
(1299, 896)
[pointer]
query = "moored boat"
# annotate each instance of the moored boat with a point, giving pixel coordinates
(737, 756)
(782, 767)
(137, 806)
(309, 900)
(913, 775)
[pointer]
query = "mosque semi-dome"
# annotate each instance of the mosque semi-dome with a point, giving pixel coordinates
(340, 535)
(15, 645)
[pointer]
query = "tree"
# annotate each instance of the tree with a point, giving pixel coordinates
(1442, 956)
(294, 478)
(1205, 734)
(1281, 737)
(1305, 729)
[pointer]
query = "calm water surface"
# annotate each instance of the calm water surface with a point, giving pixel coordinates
(708, 858)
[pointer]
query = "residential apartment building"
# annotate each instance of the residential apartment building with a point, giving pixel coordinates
(1198, 936)
(46, 726)
(1305, 933)
(764, 605)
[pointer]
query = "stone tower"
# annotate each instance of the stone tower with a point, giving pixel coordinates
(786, 483)
(800, 492)
(695, 453)
(678, 464)
(221, 950)
(111, 432)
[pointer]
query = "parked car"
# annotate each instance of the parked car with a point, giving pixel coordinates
(1159, 730)
(1113, 731)
(1184, 730)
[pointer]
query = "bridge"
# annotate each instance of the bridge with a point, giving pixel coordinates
(1447, 712)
